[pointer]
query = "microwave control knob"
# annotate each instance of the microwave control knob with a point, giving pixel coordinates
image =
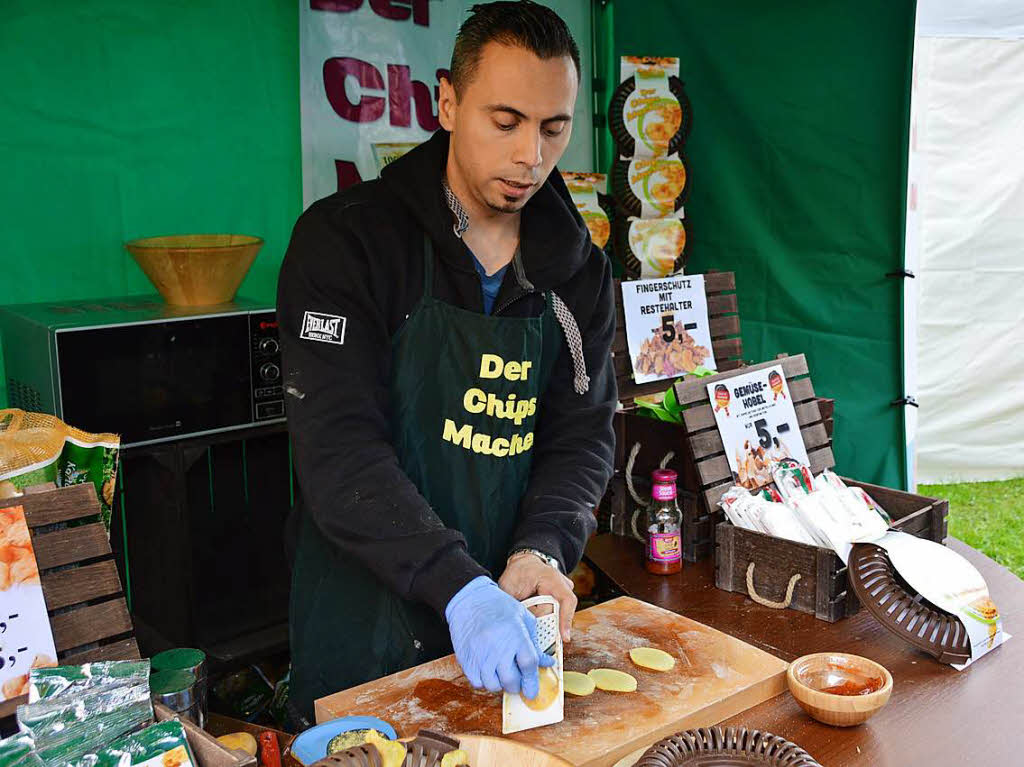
(269, 346)
(269, 371)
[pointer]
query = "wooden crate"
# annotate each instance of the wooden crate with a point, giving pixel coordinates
(84, 600)
(822, 589)
(726, 343)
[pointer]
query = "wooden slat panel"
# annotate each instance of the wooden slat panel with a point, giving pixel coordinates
(622, 365)
(727, 347)
(728, 325)
(63, 505)
(126, 649)
(807, 413)
(628, 391)
(69, 587)
(714, 470)
(90, 624)
(688, 392)
(724, 303)
(698, 418)
(718, 282)
(726, 365)
(706, 443)
(821, 459)
(713, 495)
(74, 544)
(814, 436)
(801, 390)
(721, 327)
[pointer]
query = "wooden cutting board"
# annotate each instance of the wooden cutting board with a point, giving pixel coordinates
(716, 676)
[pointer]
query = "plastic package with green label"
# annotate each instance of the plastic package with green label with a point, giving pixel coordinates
(69, 726)
(159, 744)
(45, 683)
(19, 751)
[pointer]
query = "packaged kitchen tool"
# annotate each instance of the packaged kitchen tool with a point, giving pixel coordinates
(651, 187)
(518, 713)
(160, 745)
(587, 191)
(73, 724)
(36, 448)
(52, 682)
(651, 248)
(649, 114)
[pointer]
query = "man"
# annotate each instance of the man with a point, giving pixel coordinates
(446, 334)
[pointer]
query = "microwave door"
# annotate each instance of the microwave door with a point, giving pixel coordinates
(157, 380)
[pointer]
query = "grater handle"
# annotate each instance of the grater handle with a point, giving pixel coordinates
(543, 599)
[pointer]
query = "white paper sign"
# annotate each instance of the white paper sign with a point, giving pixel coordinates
(667, 327)
(949, 582)
(757, 421)
(26, 641)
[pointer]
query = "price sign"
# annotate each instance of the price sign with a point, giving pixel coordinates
(757, 421)
(667, 328)
(26, 641)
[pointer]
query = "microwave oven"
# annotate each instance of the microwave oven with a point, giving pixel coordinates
(143, 369)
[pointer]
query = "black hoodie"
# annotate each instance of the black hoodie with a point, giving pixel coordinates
(358, 254)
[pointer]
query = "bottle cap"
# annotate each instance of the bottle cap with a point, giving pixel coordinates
(664, 476)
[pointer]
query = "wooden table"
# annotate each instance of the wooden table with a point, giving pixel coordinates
(936, 716)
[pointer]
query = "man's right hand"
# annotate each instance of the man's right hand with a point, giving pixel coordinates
(495, 639)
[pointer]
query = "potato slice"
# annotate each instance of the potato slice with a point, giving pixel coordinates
(577, 683)
(457, 758)
(242, 741)
(611, 680)
(548, 691)
(392, 753)
(651, 658)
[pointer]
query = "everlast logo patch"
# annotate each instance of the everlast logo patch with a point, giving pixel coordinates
(328, 328)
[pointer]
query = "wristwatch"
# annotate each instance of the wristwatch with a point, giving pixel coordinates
(545, 558)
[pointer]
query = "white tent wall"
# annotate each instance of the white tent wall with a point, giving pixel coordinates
(965, 242)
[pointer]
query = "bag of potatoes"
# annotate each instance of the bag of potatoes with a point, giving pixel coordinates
(36, 448)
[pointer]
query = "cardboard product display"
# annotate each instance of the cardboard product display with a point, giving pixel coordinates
(624, 142)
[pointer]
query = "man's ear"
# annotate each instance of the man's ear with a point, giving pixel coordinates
(447, 102)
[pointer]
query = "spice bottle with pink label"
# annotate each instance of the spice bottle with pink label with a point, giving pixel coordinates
(664, 526)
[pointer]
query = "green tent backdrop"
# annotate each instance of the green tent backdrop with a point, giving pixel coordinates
(125, 119)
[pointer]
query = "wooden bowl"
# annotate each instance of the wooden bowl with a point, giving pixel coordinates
(196, 269)
(838, 688)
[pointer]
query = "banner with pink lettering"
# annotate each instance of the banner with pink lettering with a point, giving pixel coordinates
(369, 71)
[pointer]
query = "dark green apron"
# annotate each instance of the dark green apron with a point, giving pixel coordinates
(471, 465)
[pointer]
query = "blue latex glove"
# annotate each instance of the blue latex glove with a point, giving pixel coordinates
(495, 639)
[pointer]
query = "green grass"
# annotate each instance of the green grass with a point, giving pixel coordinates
(988, 516)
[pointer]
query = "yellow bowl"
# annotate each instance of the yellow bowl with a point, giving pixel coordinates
(196, 269)
(838, 688)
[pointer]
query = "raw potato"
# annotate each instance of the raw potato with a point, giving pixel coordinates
(577, 683)
(611, 680)
(242, 741)
(457, 758)
(650, 658)
(392, 753)
(548, 691)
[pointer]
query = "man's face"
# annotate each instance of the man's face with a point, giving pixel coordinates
(511, 124)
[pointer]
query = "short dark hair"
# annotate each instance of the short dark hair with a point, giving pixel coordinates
(519, 23)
